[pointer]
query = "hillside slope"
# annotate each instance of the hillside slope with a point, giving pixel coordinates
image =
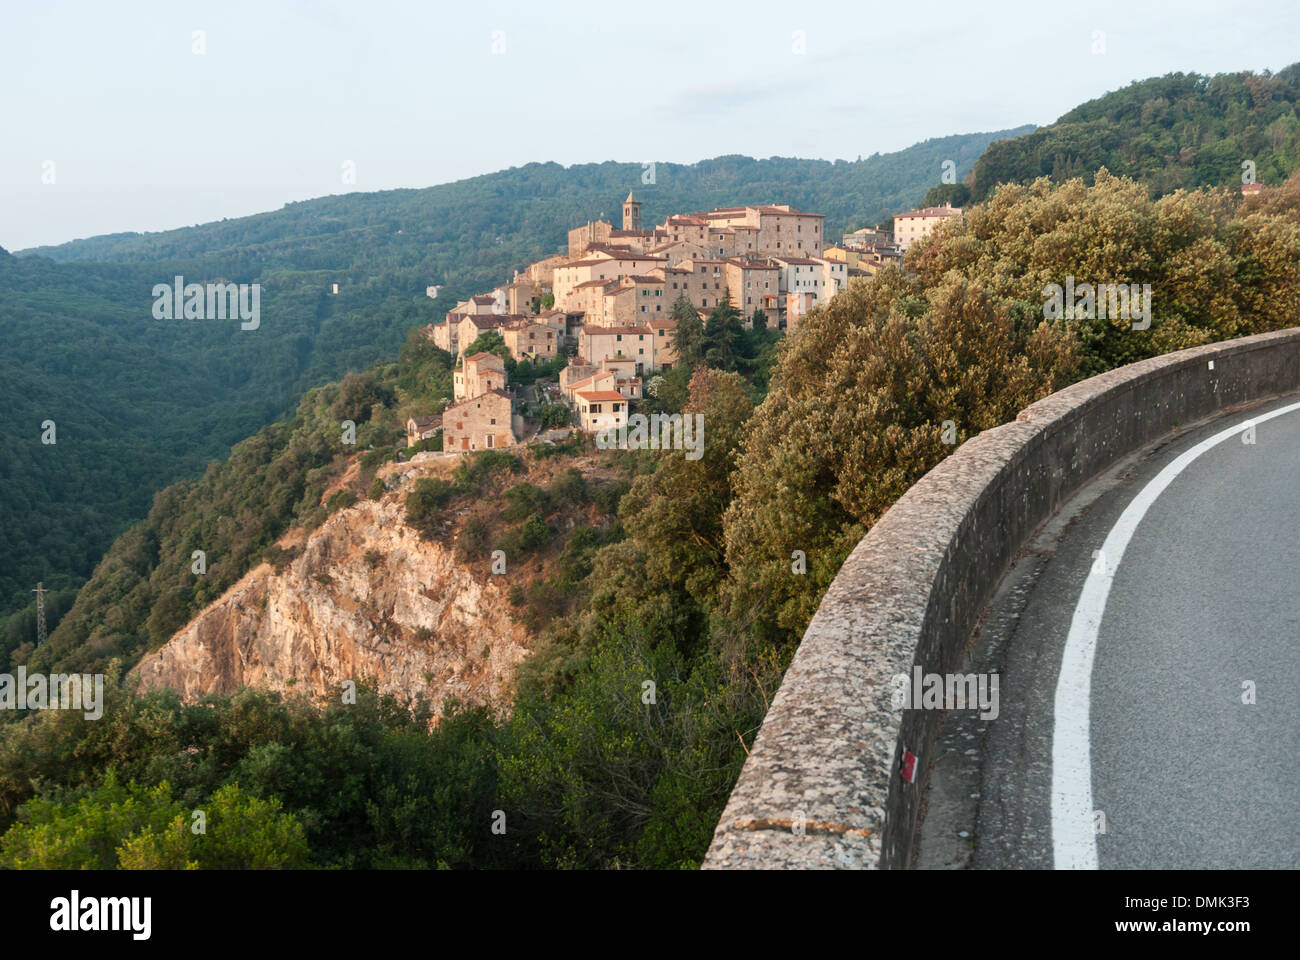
(141, 402)
(366, 600)
(1181, 130)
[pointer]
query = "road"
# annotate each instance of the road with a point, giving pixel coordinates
(1132, 637)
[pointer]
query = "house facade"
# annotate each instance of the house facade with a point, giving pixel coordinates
(478, 423)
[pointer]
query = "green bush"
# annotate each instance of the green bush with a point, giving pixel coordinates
(524, 499)
(424, 503)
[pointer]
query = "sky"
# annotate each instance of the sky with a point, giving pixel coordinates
(136, 116)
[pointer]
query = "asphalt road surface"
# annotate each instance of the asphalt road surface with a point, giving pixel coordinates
(1149, 649)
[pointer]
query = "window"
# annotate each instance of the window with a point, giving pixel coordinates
(490, 439)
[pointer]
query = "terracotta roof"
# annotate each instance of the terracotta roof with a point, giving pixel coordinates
(423, 422)
(594, 283)
(591, 379)
(484, 298)
(761, 208)
(798, 260)
(599, 396)
(662, 323)
(620, 253)
(642, 279)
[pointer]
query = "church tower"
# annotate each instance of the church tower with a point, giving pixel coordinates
(631, 212)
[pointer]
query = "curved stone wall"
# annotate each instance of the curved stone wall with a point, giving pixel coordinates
(822, 787)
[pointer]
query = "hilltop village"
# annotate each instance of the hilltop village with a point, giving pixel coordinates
(607, 305)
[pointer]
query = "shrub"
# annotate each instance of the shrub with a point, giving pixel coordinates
(424, 503)
(524, 499)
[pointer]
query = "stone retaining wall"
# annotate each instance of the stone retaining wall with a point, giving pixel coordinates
(826, 760)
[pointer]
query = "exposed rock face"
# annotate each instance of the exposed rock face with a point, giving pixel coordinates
(367, 598)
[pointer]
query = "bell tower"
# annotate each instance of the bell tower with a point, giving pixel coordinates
(631, 212)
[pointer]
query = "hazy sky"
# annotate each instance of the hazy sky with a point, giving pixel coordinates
(144, 133)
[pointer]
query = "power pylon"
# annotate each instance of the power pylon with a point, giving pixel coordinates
(40, 613)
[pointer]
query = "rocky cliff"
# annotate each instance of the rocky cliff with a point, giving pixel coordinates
(365, 599)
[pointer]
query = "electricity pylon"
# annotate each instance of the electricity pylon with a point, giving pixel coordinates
(40, 613)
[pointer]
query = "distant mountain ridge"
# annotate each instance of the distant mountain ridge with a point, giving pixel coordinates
(1182, 130)
(530, 208)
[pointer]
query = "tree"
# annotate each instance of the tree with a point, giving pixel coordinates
(957, 194)
(490, 341)
(758, 320)
(554, 415)
(688, 336)
(722, 335)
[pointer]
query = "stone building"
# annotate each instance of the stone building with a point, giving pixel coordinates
(915, 225)
(478, 423)
(598, 265)
(754, 285)
(631, 213)
(422, 428)
(635, 343)
(477, 375)
(530, 339)
(601, 410)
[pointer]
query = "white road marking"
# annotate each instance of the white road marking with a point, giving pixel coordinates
(1074, 841)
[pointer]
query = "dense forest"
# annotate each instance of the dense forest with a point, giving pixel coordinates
(1181, 130)
(138, 402)
(689, 584)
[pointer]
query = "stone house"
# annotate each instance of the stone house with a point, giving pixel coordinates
(530, 338)
(478, 423)
(598, 343)
(600, 410)
(915, 225)
(422, 428)
(478, 374)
